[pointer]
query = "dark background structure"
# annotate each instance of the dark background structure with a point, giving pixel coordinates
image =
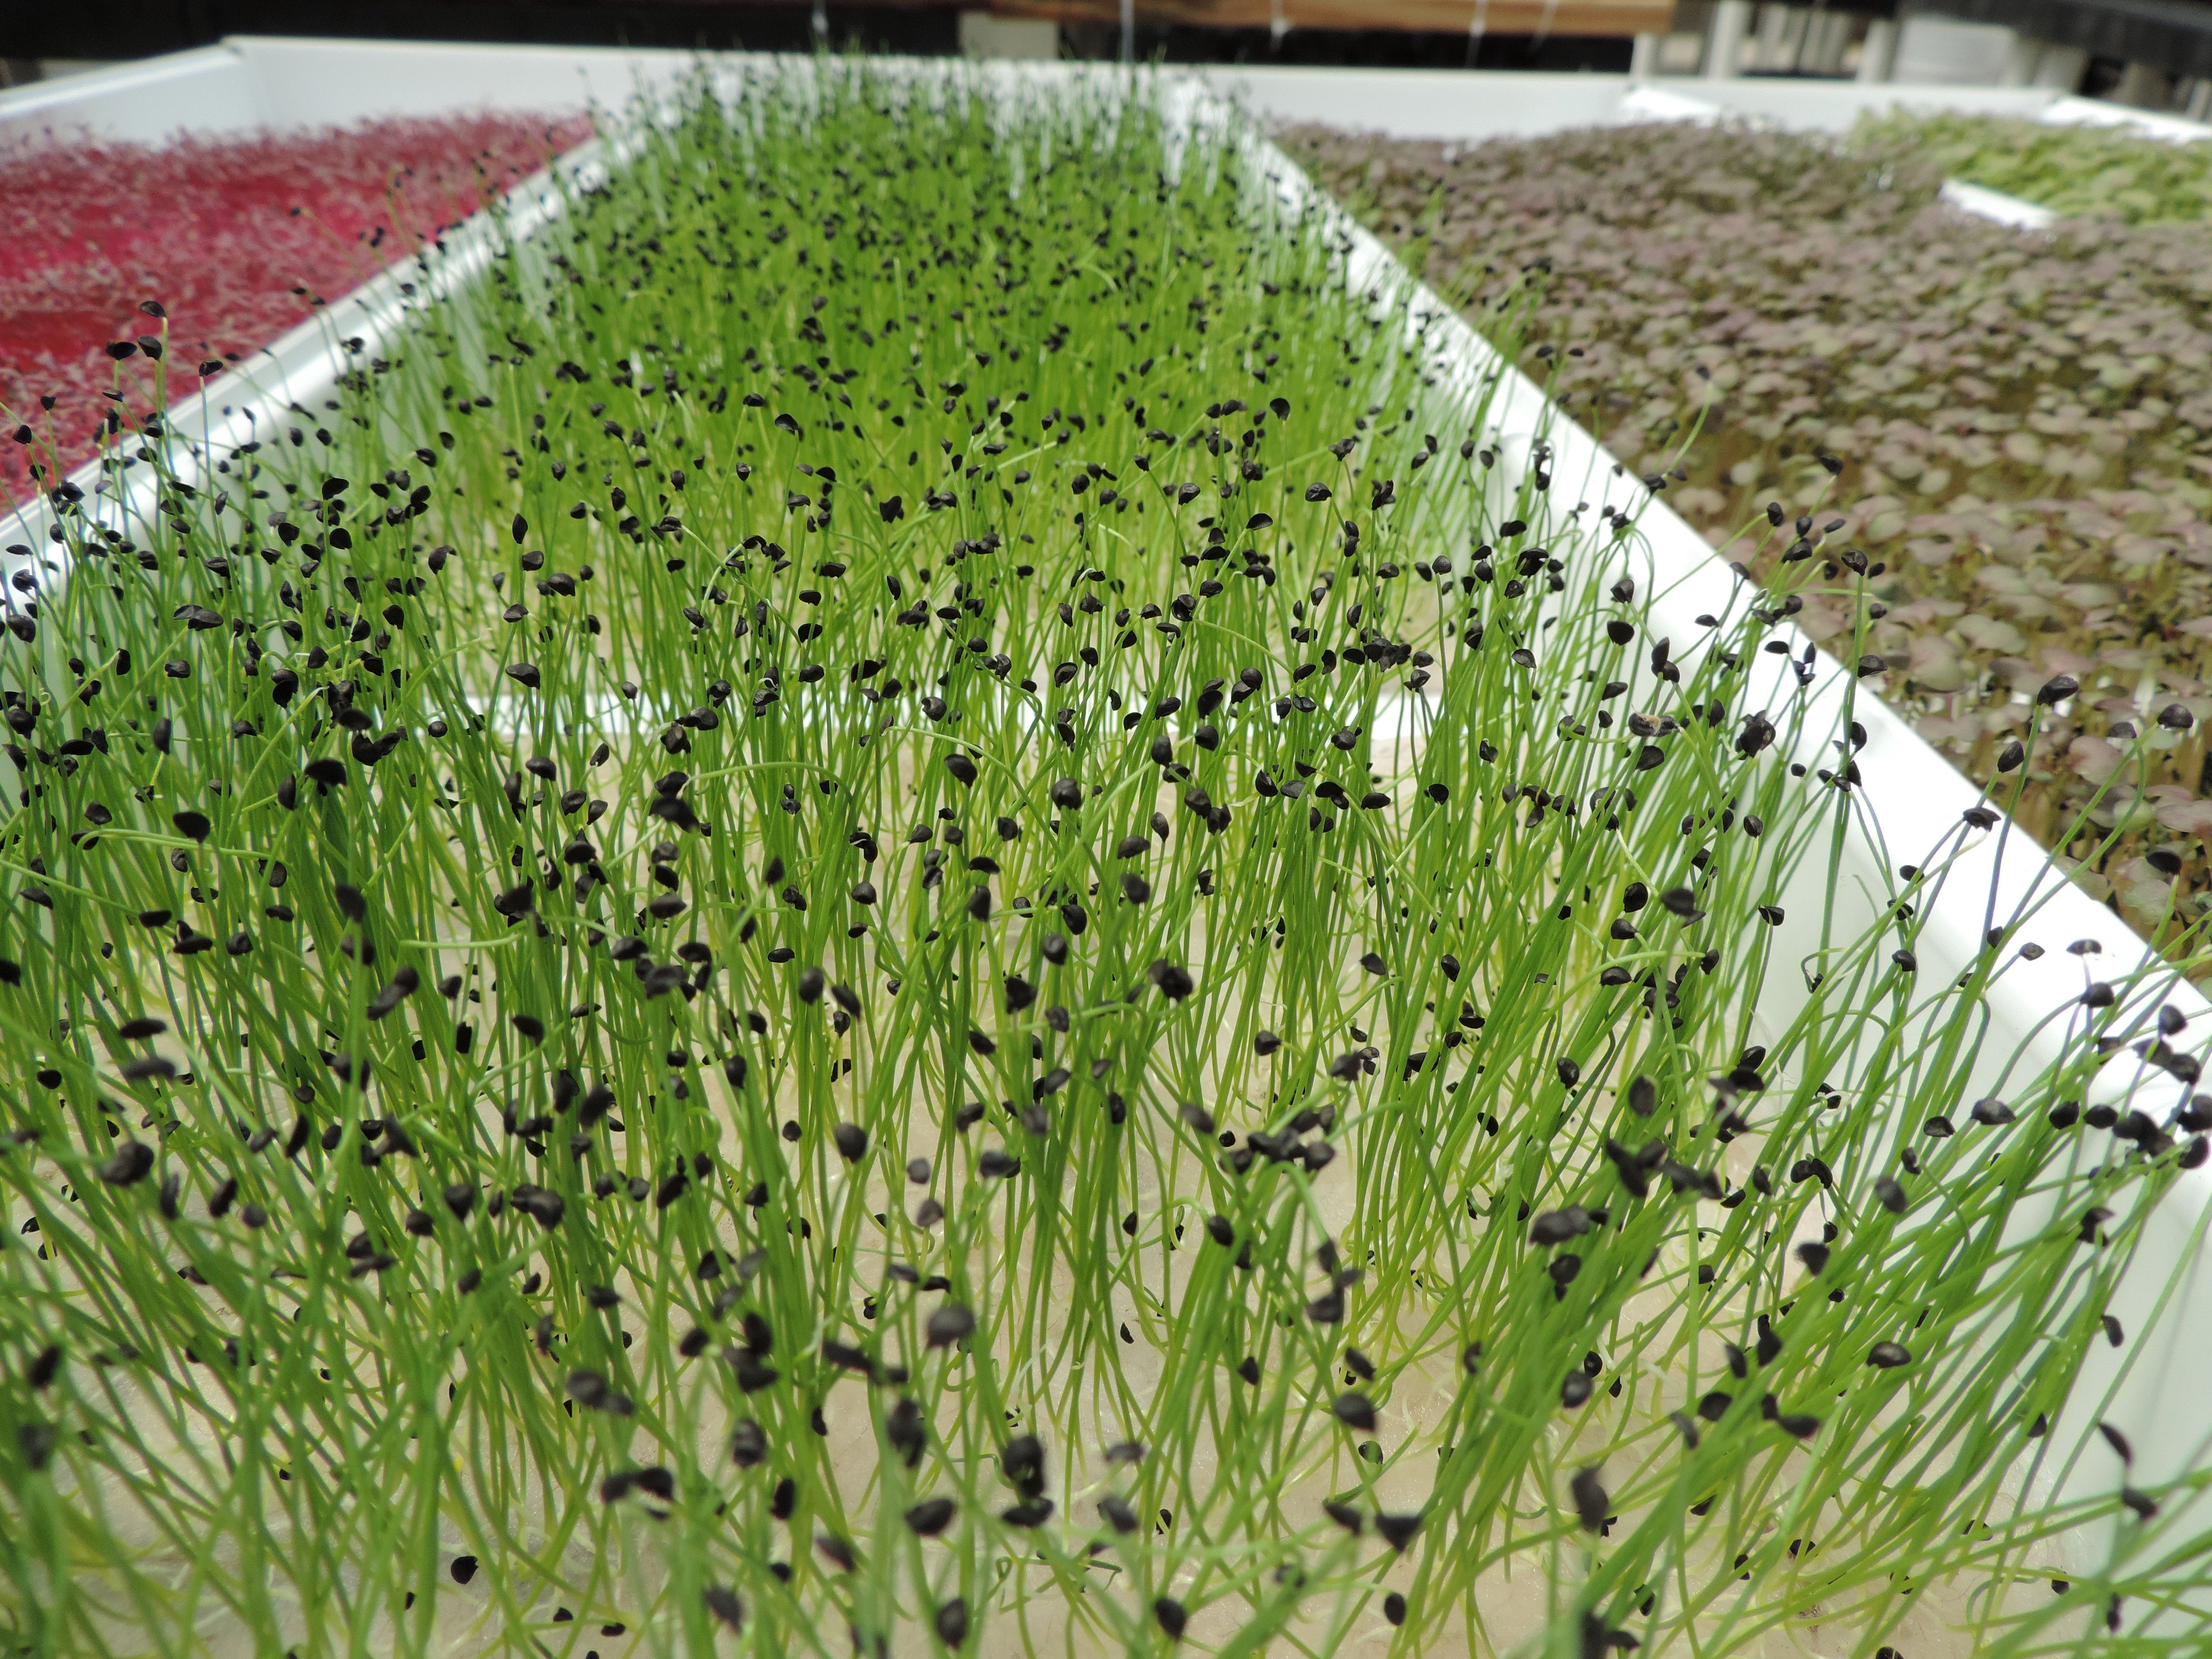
(2154, 54)
(1517, 33)
(2175, 35)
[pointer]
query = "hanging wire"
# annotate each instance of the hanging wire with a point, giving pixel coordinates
(1544, 28)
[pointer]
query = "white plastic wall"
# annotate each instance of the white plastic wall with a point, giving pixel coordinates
(305, 82)
(254, 82)
(2089, 113)
(1427, 103)
(1834, 105)
(1944, 52)
(1452, 104)
(982, 35)
(210, 91)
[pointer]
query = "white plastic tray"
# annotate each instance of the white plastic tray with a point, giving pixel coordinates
(1911, 800)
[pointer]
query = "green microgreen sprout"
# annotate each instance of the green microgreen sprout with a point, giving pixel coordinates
(895, 901)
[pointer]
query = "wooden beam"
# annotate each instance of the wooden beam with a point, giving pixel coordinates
(1578, 17)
